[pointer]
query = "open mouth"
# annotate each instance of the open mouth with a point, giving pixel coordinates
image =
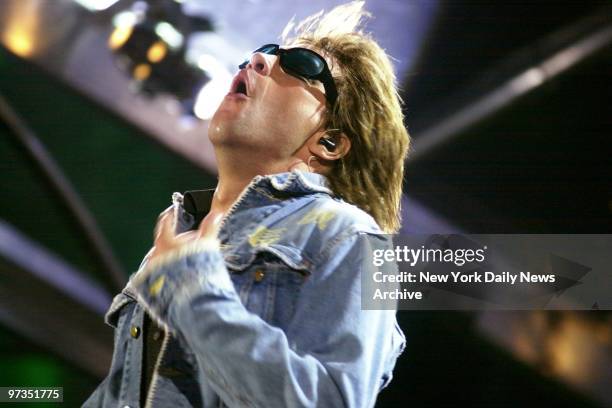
(239, 86)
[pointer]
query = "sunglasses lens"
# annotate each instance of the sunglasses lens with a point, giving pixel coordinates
(267, 49)
(270, 49)
(302, 62)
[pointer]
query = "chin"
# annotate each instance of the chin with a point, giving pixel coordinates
(221, 124)
(226, 134)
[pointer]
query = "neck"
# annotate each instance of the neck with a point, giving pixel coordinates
(228, 189)
(235, 173)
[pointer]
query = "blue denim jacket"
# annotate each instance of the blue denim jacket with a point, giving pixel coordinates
(271, 317)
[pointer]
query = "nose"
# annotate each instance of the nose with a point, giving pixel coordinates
(260, 63)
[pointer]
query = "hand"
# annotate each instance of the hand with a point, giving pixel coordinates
(165, 239)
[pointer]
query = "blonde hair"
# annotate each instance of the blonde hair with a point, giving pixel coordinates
(368, 111)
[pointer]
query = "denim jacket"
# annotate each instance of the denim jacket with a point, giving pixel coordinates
(267, 316)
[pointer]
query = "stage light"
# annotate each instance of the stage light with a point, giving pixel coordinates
(211, 95)
(157, 51)
(169, 34)
(19, 34)
(150, 44)
(96, 5)
(142, 72)
(119, 36)
(125, 18)
(20, 43)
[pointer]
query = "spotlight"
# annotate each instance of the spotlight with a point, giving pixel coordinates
(149, 42)
(96, 5)
(212, 93)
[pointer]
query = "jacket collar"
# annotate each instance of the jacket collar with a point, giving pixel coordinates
(295, 182)
(274, 187)
(266, 193)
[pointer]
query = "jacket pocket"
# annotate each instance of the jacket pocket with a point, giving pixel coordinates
(269, 286)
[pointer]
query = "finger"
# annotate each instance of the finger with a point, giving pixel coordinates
(163, 228)
(187, 236)
(158, 225)
(150, 253)
(168, 211)
(160, 217)
(209, 228)
(216, 226)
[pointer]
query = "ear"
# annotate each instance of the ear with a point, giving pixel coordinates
(328, 148)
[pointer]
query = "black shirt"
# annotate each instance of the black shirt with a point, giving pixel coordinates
(153, 337)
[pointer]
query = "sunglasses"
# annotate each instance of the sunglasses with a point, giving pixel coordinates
(302, 63)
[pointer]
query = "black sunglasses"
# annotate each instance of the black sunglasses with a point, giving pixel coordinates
(302, 63)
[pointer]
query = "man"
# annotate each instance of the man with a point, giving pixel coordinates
(259, 305)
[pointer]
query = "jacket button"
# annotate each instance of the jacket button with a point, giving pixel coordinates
(135, 331)
(259, 275)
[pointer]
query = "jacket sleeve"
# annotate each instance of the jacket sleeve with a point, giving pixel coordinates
(333, 354)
